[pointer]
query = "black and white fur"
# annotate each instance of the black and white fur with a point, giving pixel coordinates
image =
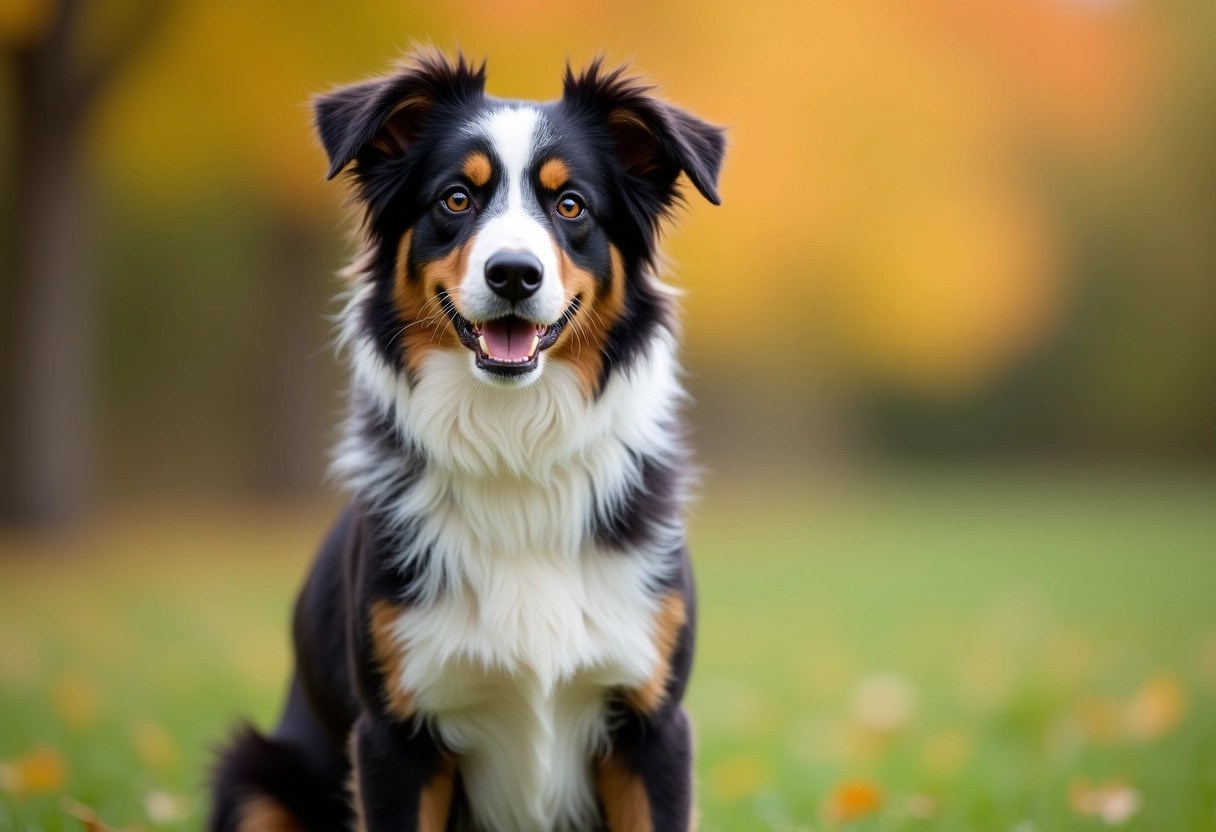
(498, 631)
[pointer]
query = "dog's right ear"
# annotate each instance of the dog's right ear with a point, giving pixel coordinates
(385, 115)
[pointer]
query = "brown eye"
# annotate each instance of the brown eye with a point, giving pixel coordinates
(457, 202)
(570, 207)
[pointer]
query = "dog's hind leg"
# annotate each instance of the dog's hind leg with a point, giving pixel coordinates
(292, 781)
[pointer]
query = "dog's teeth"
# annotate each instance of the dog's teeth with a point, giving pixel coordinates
(481, 342)
(535, 342)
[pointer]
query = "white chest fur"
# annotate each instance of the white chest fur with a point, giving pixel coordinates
(524, 622)
(512, 672)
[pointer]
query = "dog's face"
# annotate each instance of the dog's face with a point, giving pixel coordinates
(514, 231)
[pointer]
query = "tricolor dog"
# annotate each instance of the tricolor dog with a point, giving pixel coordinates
(498, 631)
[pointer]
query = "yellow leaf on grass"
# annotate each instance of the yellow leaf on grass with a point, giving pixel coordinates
(1156, 709)
(944, 753)
(740, 777)
(75, 700)
(42, 771)
(1102, 719)
(154, 746)
(852, 800)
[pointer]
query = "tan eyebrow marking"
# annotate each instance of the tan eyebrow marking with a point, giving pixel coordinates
(554, 174)
(477, 168)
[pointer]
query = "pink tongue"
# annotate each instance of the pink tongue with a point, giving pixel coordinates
(509, 338)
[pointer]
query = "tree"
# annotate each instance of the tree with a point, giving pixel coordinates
(47, 340)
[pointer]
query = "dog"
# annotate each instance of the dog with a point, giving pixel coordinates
(498, 631)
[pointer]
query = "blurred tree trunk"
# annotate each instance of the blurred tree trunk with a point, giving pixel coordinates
(47, 339)
(296, 365)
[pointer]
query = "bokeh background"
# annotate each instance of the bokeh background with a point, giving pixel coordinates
(950, 338)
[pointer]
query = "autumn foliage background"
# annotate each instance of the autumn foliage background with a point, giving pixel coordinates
(950, 338)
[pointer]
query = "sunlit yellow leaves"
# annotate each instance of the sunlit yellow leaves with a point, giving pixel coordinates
(852, 800)
(920, 251)
(912, 242)
(41, 771)
(1074, 69)
(23, 21)
(941, 294)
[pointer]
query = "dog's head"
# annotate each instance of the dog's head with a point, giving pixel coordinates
(516, 232)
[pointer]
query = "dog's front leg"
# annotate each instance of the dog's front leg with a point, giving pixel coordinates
(402, 780)
(645, 785)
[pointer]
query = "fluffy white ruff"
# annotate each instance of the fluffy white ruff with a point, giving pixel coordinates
(511, 471)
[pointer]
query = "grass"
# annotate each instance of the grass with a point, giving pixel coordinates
(954, 651)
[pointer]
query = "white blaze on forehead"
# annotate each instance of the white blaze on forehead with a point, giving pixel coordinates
(513, 133)
(514, 222)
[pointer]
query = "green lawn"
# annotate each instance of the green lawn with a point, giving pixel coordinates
(925, 651)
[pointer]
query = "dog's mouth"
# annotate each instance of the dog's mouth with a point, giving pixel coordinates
(510, 345)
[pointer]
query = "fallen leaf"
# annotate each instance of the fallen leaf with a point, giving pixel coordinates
(740, 777)
(86, 815)
(851, 801)
(1114, 803)
(1156, 709)
(42, 771)
(945, 753)
(76, 701)
(154, 746)
(1102, 720)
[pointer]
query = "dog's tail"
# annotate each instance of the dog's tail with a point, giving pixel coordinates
(265, 785)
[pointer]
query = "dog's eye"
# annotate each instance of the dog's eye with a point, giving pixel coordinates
(570, 207)
(457, 201)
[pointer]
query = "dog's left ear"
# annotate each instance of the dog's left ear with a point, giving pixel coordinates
(654, 140)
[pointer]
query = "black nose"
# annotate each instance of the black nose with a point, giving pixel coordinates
(514, 275)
